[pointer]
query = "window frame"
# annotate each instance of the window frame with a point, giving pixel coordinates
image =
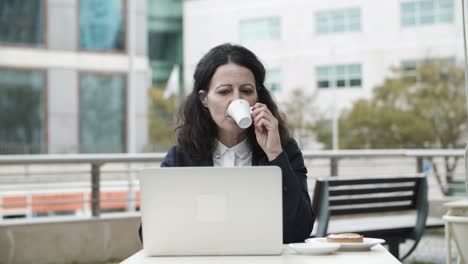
(416, 63)
(125, 33)
(45, 82)
(436, 15)
(333, 76)
(348, 26)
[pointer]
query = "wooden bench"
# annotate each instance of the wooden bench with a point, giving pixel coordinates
(391, 208)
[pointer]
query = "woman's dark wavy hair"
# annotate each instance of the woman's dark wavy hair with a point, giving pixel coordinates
(196, 130)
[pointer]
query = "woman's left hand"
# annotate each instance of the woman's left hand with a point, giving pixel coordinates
(266, 130)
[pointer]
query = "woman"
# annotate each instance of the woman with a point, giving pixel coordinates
(207, 136)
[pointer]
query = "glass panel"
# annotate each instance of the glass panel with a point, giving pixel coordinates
(408, 14)
(338, 21)
(408, 8)
(102, 113)
(446, 17)
(322, 72)
(355, 27)
(340, 76)
(354, 13)
(22, 22)
(323, 84)
(408, 20)
(445, 5)
(102, 24)
(354, 70)
(445, 10)
(273, 28)
(409, 65)
(165, 50)
(340, 83)
(355, 82)
(260, 29)
(164, 9)
(340, 71)
(321, 23)
(273, 80)
(426, 9)
(164, 38)
(354, 19)
(22, 112)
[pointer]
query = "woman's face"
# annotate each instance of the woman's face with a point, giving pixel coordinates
(229, 82)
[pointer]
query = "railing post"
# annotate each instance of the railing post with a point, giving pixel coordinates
(333, 166)
(419, 164)
(131, 194)
(95, 189)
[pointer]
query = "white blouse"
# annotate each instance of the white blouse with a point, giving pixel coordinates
(237, 156)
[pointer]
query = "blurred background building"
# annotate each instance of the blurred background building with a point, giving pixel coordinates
(64, 64)
(320, 45)
(64, 84)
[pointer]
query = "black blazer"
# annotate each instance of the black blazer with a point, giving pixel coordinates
(298, 217)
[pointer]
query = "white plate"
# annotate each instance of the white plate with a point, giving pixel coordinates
(366, 244)
(314, 248)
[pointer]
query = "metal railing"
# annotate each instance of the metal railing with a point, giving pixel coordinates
(96, 161)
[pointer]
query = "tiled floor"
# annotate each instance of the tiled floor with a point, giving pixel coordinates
(431, 249)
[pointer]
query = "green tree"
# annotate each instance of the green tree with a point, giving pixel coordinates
(422, 111)
(161, 120)
(301, 114)
(425, 110)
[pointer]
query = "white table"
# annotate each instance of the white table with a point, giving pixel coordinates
(378, 254)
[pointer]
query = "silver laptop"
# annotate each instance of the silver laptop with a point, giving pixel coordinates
(211, 211)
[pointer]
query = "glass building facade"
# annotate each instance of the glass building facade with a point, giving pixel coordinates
(22, 22)
(164, 38)
(74, 107)
(102, 25)
(22, 112)
(102, 113)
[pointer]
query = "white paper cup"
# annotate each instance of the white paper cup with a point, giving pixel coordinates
(240, 111)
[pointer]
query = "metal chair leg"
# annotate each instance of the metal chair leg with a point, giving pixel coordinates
(394, 247)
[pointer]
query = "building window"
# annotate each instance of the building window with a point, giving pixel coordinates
(260, 29)
(339, 75)
(273, 80)
(102, 25)
(338, 21)
(22, 22)
(164, 38)
(102, 113)
(410, 67)
(22, 112)
(426, 12)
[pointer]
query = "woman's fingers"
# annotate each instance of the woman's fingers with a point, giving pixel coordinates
(265, 121)
(261, 125)
(260, 116)
(259, 108)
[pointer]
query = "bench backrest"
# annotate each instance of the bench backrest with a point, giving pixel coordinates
(346, 195)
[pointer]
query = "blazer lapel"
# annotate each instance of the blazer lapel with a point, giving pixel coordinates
(259, 158)
(204, 163)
